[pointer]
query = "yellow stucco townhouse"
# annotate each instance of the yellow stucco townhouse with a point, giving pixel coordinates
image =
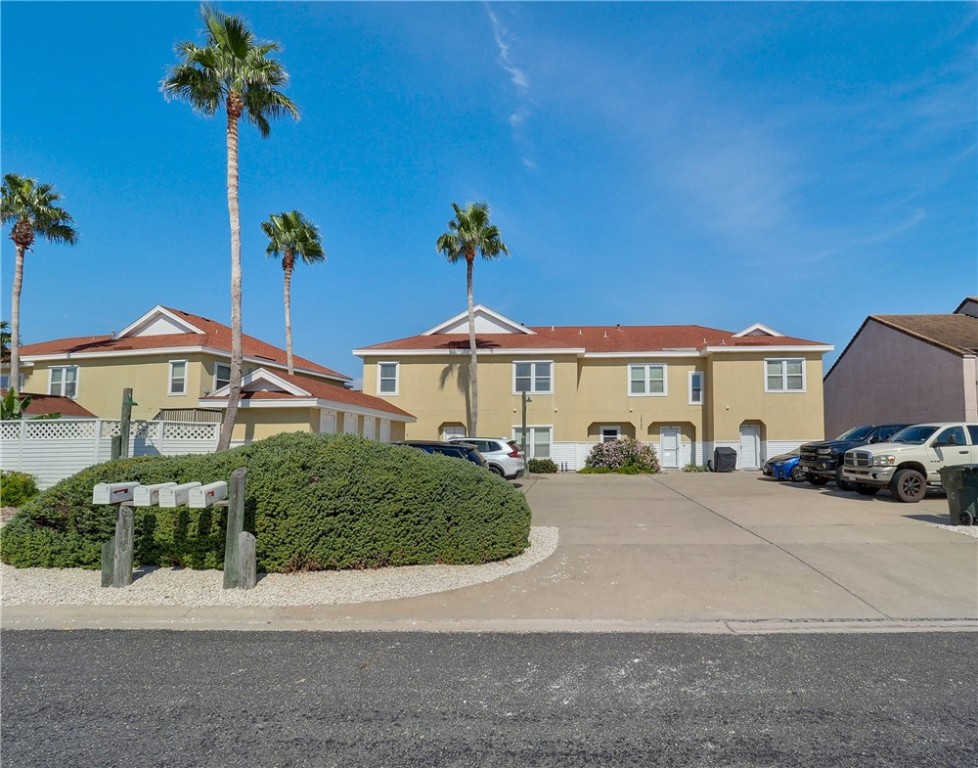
(686, 389)
(178, 366)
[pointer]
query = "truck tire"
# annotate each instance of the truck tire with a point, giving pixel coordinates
(866, 490)
(815, 479)
(909, 486)
(841, 484)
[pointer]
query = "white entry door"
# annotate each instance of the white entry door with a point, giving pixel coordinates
(669, 447)
(750, 446)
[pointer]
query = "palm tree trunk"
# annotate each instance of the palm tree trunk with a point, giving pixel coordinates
(234, 394)
(13, 381)
(287, 297)
(473, 414)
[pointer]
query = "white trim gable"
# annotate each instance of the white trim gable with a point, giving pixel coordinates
(263, 380)
(159, 321)
(486, 321)
(757, 329)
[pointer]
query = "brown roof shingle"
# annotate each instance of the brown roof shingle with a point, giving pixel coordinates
(956, 333)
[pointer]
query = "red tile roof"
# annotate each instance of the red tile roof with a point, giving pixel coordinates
(215, 336)
(597, 339)
(321, 389)
(42, 405)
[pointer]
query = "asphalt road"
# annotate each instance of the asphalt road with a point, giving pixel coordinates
(159, 698)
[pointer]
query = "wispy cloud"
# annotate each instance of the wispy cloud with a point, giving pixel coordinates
(521, 86)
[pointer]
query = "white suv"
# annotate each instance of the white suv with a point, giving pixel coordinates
(502, 455)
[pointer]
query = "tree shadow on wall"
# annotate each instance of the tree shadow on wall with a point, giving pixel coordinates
(461, 373)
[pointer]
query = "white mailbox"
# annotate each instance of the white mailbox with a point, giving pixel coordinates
(112, 493)
(149, 495)
(206, 495)
(177, 495)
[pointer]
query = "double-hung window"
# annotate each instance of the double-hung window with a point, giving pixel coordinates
(64, 381)
(537, 441)
(695, 387)
(647, 379)
(784, 375)
(387, 378)
(222, 375)
(533, 377)
(178, 377)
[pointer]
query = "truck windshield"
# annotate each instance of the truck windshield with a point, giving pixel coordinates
(856, 433)
(913, 435)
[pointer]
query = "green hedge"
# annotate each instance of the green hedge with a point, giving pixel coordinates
(16, 488)
(542, 466)
(314, 502)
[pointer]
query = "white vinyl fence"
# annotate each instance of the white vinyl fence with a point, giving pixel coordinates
(54, 449)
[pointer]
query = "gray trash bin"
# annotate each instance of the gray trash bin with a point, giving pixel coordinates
(961, 484)
(724, 459)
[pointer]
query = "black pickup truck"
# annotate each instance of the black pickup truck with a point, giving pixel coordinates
(823, 461)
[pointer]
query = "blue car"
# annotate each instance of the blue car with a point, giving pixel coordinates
(785, 466)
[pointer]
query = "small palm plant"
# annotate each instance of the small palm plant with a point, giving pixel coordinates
(291, 234)
(34, 209)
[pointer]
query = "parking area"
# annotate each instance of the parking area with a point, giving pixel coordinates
(670, 552)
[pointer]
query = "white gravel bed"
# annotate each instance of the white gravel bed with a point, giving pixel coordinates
(967, 530)
(185, 587)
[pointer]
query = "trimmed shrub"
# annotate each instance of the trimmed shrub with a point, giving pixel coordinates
(542, 466)
(16, 488)
(626, 456)
(313, 501)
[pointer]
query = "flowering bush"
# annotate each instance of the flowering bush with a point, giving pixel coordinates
(625, 455)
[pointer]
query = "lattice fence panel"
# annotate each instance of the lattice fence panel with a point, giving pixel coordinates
(9, 430)
(61, 429)
(189, 431)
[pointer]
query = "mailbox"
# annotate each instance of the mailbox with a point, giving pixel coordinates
(149, 495)
(206, 495)
(177, 495)
(112, 493)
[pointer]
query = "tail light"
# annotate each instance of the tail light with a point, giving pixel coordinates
(515, 453)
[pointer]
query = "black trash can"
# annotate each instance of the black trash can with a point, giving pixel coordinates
(961, 484)
(724, 459)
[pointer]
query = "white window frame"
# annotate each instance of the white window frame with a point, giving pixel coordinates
(5, 381)
(530, 439)
(447, 433)
(783, 389)
(169, 378)
(217, 379)
(381, 379)
(692, 374)
(533, 377)
(609, 428)
(63, 384)
(647, 393)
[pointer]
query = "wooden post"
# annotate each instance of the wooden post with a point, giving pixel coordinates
(108, 561)
(127, 404)
(235, 527)
(247, 575)
(116, 451)
(122, 559)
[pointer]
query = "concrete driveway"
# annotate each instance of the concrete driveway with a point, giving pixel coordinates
(674, 552)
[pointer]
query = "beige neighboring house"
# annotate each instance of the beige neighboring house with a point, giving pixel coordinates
(178, 366)
(686, 389)
(906, 368)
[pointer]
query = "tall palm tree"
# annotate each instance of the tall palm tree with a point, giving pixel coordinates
(468, 232)
(232, 69)
(34, 209)
(291, 234)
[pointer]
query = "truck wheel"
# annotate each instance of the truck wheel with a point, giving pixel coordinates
(867, 490)
(841, 484)
(815, 479)
(797, 474)
(909, 486)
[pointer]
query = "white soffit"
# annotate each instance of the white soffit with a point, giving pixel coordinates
(159, 321)
(263, 380)
(757, 329)
(486, 321)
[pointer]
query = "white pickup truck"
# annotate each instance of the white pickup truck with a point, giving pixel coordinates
(912, 459)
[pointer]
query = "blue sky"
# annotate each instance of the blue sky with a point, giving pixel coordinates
(798, 165)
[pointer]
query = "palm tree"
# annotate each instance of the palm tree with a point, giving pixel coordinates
(4, 341)
(468, 232)
(291, 234)
(35, 210)
(233, 69)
